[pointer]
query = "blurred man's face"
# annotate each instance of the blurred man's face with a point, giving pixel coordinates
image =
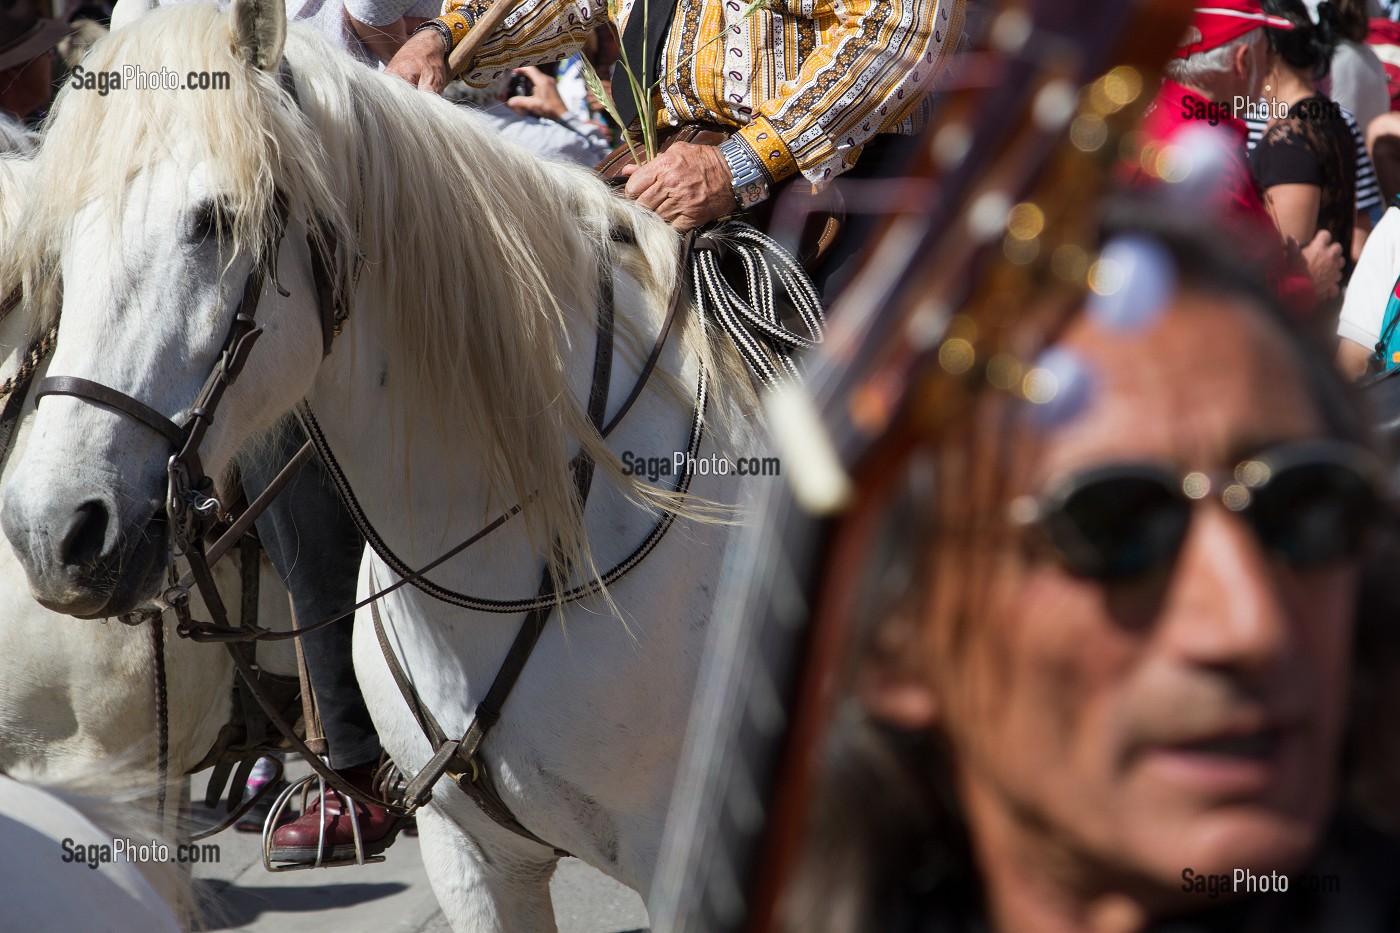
(25, 89)
(1113, 734)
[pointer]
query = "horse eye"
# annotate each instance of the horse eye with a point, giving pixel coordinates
(210, 219)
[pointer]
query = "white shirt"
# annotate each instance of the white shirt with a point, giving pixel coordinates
(328, 17)
(1363, 308)
(568, 138)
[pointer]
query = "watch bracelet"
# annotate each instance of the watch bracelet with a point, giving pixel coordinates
(441, 29)
(750, 180)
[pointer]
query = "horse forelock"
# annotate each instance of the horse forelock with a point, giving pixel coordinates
(96, 143)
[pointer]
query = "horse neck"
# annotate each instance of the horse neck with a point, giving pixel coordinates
(445, 467)
(420, 485)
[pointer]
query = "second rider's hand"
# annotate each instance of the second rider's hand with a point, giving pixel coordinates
(422, 62)
(544, 101)
(688, 185)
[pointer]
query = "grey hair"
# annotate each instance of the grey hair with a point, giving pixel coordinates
(1203, 69)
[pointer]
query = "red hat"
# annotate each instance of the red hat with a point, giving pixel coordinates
(1224, 21)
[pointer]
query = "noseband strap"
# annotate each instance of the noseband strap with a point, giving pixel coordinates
(98, 394)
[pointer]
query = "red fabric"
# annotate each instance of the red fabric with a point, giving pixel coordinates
(1174, 111)
(1217, 22)
(1386, 33)
(1239, 205)
(1392, 84)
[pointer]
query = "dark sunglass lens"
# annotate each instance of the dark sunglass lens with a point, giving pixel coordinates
(1313, 513)
(1118, 527)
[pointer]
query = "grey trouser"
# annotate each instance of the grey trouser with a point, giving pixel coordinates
(315, 547)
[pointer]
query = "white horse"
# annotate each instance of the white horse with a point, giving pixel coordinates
(78, 859)
(453, 392)
(75, 698)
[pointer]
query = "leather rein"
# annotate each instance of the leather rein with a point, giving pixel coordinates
(192, 510)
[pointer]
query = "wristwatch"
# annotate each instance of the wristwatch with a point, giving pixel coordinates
(750, 180)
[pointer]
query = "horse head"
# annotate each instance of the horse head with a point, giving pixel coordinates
(194, 203)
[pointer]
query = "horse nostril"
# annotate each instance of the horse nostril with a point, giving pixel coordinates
(85, 540)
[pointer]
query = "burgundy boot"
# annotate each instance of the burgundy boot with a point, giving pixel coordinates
(297, 840)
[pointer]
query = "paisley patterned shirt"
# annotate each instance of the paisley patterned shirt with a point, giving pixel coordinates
(805, 82)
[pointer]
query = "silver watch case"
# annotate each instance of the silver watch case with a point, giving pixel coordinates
(750, 181)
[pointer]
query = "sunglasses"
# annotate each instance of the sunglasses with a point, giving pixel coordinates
(1309, 502)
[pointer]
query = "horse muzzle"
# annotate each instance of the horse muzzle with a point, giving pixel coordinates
(89, 563)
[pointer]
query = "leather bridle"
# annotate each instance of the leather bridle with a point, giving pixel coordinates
(192, 511)
(189, 504)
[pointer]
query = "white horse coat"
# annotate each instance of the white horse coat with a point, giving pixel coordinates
(453, 392)
(45, 887)
(76, 697)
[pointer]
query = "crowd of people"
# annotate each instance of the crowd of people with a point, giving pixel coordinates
(1125, 668)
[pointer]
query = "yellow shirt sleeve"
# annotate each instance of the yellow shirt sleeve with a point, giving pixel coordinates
(534, 32)
(878, 60)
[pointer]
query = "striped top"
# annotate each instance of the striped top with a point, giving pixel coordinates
(805, 82)
(1368, 191)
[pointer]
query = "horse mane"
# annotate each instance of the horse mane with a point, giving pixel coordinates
(13, 169)
(16, 321)
(475, 250)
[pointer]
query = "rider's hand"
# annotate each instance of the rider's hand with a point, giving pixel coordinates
(688, 185)
(543, 101)
(422, 62)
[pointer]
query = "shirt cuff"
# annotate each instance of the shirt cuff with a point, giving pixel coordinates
(458, 22)
(772, 152)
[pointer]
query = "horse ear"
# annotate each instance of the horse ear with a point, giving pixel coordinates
(259, 31)
(126, 12)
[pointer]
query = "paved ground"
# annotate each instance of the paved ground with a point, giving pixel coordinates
(392, 896)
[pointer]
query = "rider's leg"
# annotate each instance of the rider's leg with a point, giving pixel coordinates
(884, 157)
(315, 547)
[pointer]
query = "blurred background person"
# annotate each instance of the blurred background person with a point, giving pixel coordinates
(600, 50)
(1225, 58)
(1367, 337)
(370, 30)
(1306, 160)
(1356, 76)
(1369, 203)
(1115, 645)
(27, 41)
(538, 118)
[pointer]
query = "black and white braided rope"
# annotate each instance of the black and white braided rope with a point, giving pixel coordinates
(33, 356)
(753, 322)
